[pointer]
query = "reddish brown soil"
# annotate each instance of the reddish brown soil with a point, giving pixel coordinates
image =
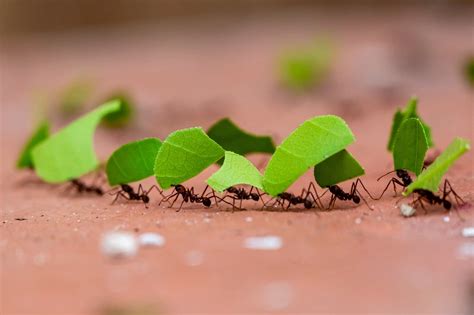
(349, 260)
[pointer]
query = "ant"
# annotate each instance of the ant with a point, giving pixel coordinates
(188, 195)
(295, 200)
(81, 187)
(354, 195)
(434, 199)
(403, 175)
(241, 194)
(126, 191)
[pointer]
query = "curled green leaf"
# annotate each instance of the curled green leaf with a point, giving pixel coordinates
(133, 161)
(337, 168)
(39, 135)
(410, 146)
(236, 170)
(230, 137)
(402, 115)
(69, 153)
(430, 178)
(311, 143)
(184, 154)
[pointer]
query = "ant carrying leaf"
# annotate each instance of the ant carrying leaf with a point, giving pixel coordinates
(127, 192)
(188, 195)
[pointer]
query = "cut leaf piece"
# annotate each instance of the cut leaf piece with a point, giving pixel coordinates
(430, 178)
(69, 153)
(402, 115)
(338, 168)
(309, 144)
(133, 161)
(410, 146)
(230, 137)
(236, 170)
(184, 154)
(39, 135)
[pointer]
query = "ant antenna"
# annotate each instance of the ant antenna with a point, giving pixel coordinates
(386, 175)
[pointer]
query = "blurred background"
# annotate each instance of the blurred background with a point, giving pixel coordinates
(269, 65)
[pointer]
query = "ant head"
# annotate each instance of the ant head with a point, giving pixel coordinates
(401, 173)
(179, 188)
(356, 199)
(126, 188)
(232, 190)
(255, 196)
(446, 204)
(333, 189)
(145, 198)
(206, 201)
(308, 204)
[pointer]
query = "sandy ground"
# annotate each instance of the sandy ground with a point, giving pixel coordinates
(349, 260)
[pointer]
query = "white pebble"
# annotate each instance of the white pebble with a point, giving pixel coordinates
(466, 250)
(407, 210)
(119, 244)
(263, 242)
(468, 231)
(151, 239)
(248, 219)
(358, 221)
(446, 219)
(194, 258)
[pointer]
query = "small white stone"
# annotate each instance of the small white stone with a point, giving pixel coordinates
(263, 242)
(465, 251)
(406, 210)
(248, 219)
(358, 221)
(194, 258)
(151, 239)
(207, 220)
(119, 244)
(446, 219)
(468, 231)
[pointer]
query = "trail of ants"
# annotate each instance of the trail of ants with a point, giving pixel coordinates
(127, 192)
(188, 195)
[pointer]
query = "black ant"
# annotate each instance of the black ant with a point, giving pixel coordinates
(434, 199)
(354, 195)
(127, 192)
(188, 195)
(303, 198)
(82, 187)
(403, 175)
(241, 194)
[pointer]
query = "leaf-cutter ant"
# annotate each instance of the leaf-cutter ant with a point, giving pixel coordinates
(188, 195)
(433, 199)
(241, 194)
(81, 187)
(402, 175)
(126, 191)
(303, 199)
(354, 195)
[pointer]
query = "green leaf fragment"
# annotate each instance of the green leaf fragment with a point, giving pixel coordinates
(311, 143)
(69, 153)
(410, 146)
(402, 115)
(338, 168)
(430, 178)
(230, 137)
(184, 154)
(236, 170)
(39, 135)
(123, 116)
(133, 161)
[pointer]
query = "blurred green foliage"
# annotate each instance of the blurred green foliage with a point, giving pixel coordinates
(73, 98)
(469, 70)
(304, 68)
(124, 116)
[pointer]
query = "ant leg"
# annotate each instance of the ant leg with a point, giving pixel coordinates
(332, 202)
(311, 185)
(459, 200)
(119, 194)
(180, 206)
(159, 191)
(393, 181)
(260, 195)
(174, 200)
(356, 192)
(359, 181)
